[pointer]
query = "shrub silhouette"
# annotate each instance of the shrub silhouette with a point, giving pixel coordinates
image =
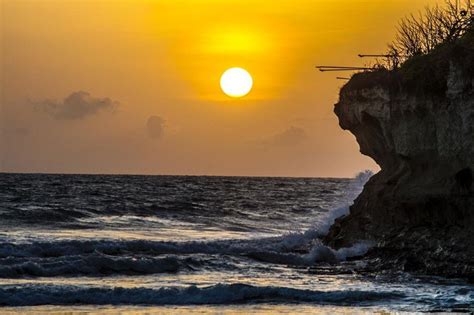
(421, 34)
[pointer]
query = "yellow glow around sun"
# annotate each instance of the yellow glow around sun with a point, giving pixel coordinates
(236, 82)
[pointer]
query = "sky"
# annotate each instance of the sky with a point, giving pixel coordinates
(132, 86)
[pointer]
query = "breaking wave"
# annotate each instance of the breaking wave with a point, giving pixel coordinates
(217, 294)
(99, 257)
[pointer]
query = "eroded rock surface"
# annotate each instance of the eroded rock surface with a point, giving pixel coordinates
(417, 123)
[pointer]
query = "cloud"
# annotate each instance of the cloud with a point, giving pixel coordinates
(155, 126)
(289, 137)
(21, 132)
(78, 105)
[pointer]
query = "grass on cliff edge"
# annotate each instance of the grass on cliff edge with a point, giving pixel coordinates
(423, 75)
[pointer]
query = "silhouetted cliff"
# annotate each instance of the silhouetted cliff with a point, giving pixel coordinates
(417, 123)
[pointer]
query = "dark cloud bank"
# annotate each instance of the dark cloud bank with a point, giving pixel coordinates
(78, 105)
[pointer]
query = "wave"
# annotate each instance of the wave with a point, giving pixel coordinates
(96, 265)
(108, 257)
(143, 247)
(29, 295)
(284, 244)
(319, 253)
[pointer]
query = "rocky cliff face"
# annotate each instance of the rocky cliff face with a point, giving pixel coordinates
(417, 123)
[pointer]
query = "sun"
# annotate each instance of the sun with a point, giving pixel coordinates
(236, 82)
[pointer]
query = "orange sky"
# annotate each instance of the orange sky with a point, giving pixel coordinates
(122, 62)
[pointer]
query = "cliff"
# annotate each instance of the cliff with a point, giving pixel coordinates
(417, 123)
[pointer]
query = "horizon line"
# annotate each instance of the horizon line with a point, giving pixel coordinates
(171, 175)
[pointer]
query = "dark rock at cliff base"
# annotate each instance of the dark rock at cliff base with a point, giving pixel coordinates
(417, 123)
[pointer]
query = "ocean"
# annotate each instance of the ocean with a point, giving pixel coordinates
(107, 244)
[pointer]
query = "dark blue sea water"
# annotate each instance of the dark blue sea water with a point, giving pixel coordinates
(168, 244)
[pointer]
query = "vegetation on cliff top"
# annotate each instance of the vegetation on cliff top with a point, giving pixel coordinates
(419, 59)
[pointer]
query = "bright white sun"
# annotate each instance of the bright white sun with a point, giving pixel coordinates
(236, 82)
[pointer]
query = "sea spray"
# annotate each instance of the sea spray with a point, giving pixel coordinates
(320, 252)
(323, 222)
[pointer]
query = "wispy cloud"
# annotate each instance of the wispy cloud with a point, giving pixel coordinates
(19, 131)
(155, 127)
(289, 137)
